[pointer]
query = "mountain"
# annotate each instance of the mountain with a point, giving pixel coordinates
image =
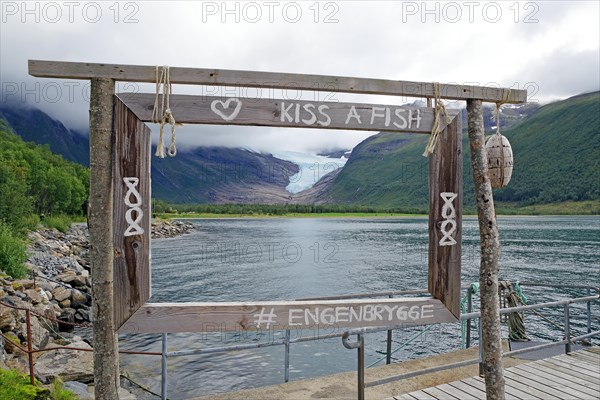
(34, 125)
(556, 150)
(202, 175)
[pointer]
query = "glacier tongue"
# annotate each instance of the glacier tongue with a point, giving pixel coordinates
(312, 168)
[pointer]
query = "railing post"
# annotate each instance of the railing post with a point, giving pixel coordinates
(287, 356)
(29, 346)
(469, 310)
(480, 347)
(361, 367)
(589, 314)
(388, 357)
(567, 330)
(163, 372)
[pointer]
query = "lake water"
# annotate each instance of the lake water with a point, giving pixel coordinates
(282, 259)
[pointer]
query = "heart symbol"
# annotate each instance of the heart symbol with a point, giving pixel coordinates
(225, 105)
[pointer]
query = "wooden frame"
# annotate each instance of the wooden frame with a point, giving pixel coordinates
(131, 200)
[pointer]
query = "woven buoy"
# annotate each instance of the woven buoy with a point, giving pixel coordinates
(500, 160)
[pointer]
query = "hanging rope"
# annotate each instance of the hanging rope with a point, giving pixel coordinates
(163, 116)
(440, 109)
(516, 325)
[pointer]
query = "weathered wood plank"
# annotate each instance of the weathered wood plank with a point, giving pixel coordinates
(445, 217)
(188, 109)
(572, 372)
(457, 393)
(589, 358)
(131, 203)
(592, 369)
(562, 374)
(276, 315)
(480, 384)
(553, 381)
(439, 394)
(523, 378)
(421, 395)
(582, 369)
(529, 391)
(478, 394)
(258, 79)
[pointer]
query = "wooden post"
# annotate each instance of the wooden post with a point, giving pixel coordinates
(106, 361)
(490, 250)
(445, 217)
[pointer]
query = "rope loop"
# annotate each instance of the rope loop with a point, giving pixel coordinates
(440, 110)
(162, 114)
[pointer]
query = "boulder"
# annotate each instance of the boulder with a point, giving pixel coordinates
(9, 345)
(7, 319)
(72, 277)
(69, 365)
(80, 390)
(36, 295)
(61, 293)
(39, 334)
(78, 299)
(68, 316)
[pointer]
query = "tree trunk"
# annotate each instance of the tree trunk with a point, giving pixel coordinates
(490, 250)
(106, 356)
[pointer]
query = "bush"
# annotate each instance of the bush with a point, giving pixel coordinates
(12, 253)
(60, 222)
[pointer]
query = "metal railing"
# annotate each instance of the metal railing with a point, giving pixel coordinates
(359, 345)
(567, 341)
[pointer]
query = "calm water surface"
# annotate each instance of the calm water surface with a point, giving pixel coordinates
(282, 259)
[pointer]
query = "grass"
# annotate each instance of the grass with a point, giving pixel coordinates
(589, 207)
(13, 253)
(61, 222)
(16, 386)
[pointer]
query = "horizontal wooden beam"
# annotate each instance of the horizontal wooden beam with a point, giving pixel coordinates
(277, 315)
(276, 80)
(211, 110)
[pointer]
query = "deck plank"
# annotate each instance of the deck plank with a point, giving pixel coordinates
(421, 395)
(564, 373)
(555, 382)
(578, 366)
(544, 389)
(479, 383)
(440, 394)
(589, 358)
(473, 391)
(459, 394)
(573, 376)
(573, 370)
(531, 392)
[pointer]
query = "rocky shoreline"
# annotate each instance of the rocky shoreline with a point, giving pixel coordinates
(58, 293)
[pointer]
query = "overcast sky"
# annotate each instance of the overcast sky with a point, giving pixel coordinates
(550, 48)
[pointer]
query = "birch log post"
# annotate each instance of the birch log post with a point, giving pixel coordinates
(106, 362)
(490, 251)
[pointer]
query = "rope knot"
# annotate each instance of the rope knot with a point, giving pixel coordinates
(440, 110)
(164, 111)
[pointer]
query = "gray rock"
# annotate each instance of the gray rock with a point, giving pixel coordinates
(7, 319)
(78, 299)
(80, 390)
(68, 365)
(61, 293)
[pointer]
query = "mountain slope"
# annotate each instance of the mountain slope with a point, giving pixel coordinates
(34, 125)
(556, 152)
(202, 175)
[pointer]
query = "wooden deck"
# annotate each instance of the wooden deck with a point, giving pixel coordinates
(573, 376)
